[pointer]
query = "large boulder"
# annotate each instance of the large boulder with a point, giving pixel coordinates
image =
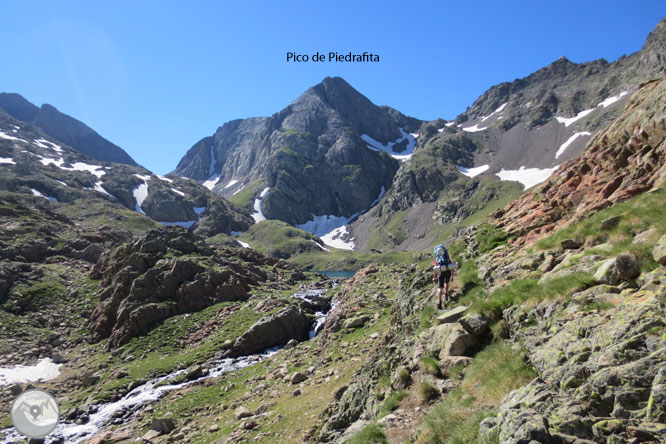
(659, 251)
(276, 329)
(449, 340)
(621, 268)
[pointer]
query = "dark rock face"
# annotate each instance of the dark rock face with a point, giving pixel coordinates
(277, 329)
(310, 154)
(64, 128)
(163, 274)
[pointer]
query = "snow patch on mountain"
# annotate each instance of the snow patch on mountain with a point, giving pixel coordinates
(388, 148)
(8, 160)
(472, 172)
(332, 229)
(210, 183)
(243, 244)
(569, 141)
(37, 193)
(8, 137)
(609, 101)
(166, 179)
(474, 128)
(43, 143)
(178, 192)
(44, 370)
(140, 192)
(231, 183)
(527, 176)
(258, 215)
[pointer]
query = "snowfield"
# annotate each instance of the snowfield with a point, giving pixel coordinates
(8, 160)
(231, 183)
(527, 176)
(569, 141)
(472, 172)
(331, 229)
(44, 370)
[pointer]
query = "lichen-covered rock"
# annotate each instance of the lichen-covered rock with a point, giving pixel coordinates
(659, 251)
(448, 340)
(601, 372)
(618, 269)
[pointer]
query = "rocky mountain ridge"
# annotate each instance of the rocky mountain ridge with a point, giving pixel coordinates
(311, 155)
(64, 129)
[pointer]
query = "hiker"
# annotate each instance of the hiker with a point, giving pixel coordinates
(445, 274)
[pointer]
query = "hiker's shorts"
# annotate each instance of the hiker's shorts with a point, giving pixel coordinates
(444, 276)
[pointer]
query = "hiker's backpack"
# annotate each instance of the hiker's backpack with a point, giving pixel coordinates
(441, 257)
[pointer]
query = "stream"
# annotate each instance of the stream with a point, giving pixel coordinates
(105, 414)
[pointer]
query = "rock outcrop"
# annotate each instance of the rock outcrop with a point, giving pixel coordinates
(276, 329)
(167, 272)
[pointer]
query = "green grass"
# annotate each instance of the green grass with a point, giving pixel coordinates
(391, 403)
(638, 214)
(371, 434)
(490, 238)
(431, 365)
(245, 198)
(425, 318)
(427, 392)
(494, 372)
(279, 239)
(521, 290)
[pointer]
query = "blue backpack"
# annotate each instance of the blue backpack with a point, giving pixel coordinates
(441, 257)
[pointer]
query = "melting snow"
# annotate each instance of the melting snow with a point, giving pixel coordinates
(178, 192)
(98, 187)
(609, 101)
(8, 137)
(388, 148)
(44, 370)
(238, 191)
(527, 176)
(474, 128)
(210, 183)
(243, 244)
(43, 143)
(141, 192)
(334, 239)
(37, 193)
(95, 170)
(569, 141)
(166, 179)
(472, 172)
(319, 245)
(258, 215)
(331, 228)
(569, 120)
(231, 183)
(7, 160)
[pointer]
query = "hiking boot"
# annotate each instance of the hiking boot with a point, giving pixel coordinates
(439, 305)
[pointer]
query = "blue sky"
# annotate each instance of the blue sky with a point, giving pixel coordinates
(154, 77)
